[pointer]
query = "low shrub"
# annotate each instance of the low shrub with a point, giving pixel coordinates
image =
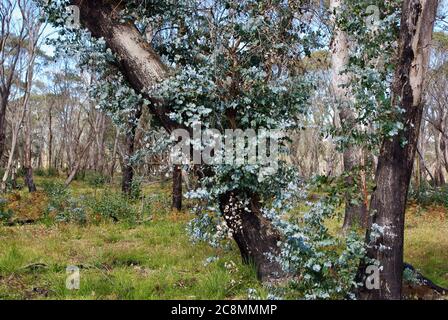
(57, 194)
(136, 188)
(95, 179)
(428, 195)
(50, 172)
(74, 212)
(62, 206)
(5, 213)
(115, 206)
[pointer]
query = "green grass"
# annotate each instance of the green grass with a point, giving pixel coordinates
(426, 242)
(155, 259)
(151, 261)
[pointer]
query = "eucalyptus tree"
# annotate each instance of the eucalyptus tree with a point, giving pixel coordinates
(436, 113)
(397, 155)
(226, 64)
(355, 204)
(234, 64)
(390, 66)
(28, 51)
(12, 36)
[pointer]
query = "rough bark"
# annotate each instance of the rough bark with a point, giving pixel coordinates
(355, 214)
(128, 170)
(177, 188)
(129, 147)
(438, 171)
(396, 161)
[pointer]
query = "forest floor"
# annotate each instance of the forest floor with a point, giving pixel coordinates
(155, 259)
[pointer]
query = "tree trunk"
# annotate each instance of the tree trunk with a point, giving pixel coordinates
(438, 171)
(177, 188)
(142, 68)
(78, 159)
(128, 169)
(9, 165)
(114, 155)
(3, 104)
(253, 233)
(355, 212)
(395, 162)
(50, 137)
(27, 165)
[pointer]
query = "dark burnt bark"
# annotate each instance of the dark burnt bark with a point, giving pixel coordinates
(254, 234)
(130, 139)
(29, 181)
(177, 188)
(396, 161)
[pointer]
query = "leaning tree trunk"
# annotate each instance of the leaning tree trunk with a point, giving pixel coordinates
(142, 68)
(396, 161)
(355, 214)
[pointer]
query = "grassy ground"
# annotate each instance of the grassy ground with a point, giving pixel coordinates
(426, 242)
(151, 260)
(155, 259)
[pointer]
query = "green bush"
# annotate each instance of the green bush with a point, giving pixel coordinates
(58, 195)
(50, 172)
(5, 214)
(55, 190)
(62, 205)
(73, 212)
(428, 195)
(136, 188)
(39, 172)
(10, 186)
(95, 179)
(21, 172)
(115, 206)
